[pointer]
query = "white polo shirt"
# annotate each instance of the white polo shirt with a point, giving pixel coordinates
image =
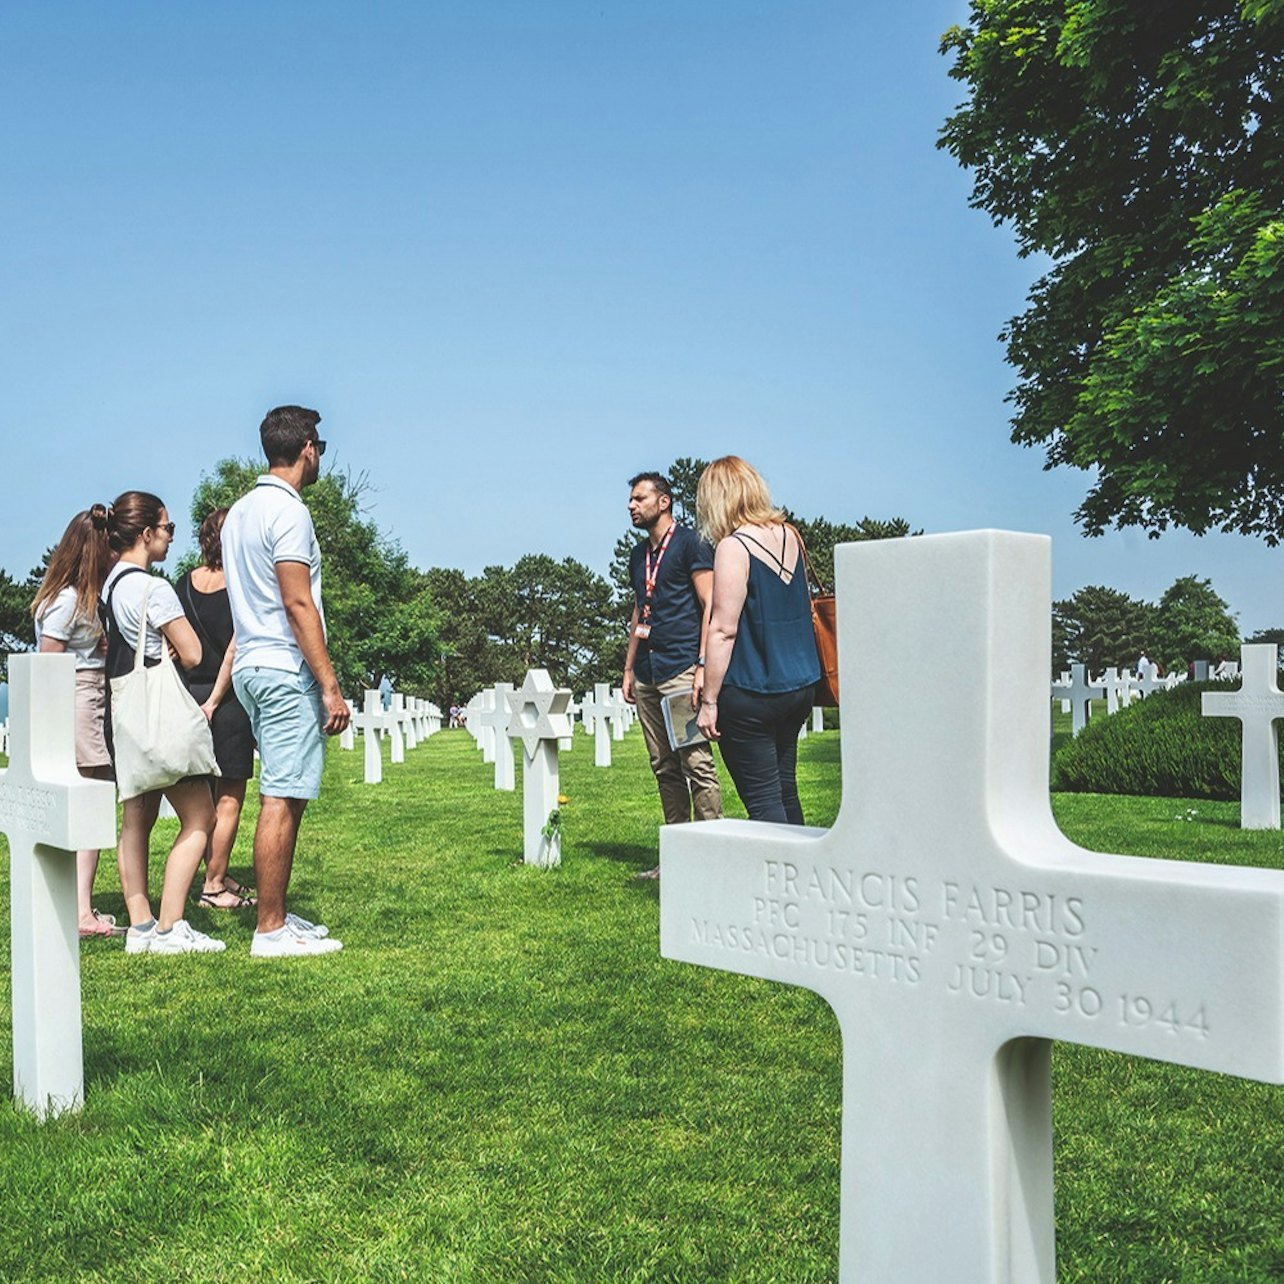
(269, 525)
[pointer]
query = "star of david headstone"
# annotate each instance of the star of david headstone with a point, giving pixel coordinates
(956, 931)
(49, 812)
(539, 720)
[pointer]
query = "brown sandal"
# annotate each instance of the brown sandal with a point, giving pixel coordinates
(211, 900)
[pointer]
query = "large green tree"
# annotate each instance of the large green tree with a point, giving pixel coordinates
(1099, 627)
(1137, 143)
(17, 632)
(379, 618)
(1193, 623)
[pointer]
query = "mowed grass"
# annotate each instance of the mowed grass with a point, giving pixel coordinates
(499, 1079)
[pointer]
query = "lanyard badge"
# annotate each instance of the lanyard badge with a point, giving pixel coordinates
(652, 574)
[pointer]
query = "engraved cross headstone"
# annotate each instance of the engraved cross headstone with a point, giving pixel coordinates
(1081, 692)
(539, 720)
(1256, 704)
(49, 812)
(495, 718)
(598, 710)
(370, 723)
(955, 930)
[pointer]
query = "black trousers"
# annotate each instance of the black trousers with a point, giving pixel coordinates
(760, 747)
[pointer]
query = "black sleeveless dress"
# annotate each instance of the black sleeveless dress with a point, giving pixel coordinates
(210, 614)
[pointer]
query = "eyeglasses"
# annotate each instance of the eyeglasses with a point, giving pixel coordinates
(168, 527)
(320, 446)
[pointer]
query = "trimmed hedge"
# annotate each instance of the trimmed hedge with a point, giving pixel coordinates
(1159, 746)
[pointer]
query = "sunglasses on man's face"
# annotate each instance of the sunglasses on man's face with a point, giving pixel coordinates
(320, 446)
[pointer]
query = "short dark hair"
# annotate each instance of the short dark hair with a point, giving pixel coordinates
(211, 539)
(285, 431)
(658, 480)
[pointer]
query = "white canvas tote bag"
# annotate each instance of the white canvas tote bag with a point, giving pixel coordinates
(159, 732)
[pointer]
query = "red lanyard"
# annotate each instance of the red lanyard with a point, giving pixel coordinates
(653, 573)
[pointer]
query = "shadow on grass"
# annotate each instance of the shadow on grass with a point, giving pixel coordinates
(625, 853)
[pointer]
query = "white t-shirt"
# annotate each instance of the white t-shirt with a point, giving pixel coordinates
(127, 604)
(269, 525)
(59, 620)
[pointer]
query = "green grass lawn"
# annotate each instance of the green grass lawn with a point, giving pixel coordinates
(499, 1079)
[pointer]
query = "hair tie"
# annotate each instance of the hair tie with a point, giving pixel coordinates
(98, 516)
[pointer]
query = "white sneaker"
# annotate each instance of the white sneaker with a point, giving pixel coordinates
(182, 938)
(290, 942)
(304, 928)
(140, 942)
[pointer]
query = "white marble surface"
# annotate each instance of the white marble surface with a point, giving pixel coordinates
(1257, 704)
(955, 930)
(48, 811)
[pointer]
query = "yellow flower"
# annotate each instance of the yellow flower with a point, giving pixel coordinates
(562, 800)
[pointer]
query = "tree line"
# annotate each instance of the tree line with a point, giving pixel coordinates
(440, 633)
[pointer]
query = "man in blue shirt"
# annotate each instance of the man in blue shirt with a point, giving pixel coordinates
(672, 576)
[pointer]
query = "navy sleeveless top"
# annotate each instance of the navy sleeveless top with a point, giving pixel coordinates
(775, 647)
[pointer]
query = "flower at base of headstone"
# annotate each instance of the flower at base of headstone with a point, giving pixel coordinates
(563, 799)
(553, 825)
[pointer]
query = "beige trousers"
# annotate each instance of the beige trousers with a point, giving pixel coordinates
(688, 779)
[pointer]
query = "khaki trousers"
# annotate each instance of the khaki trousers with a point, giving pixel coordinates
(688, 779)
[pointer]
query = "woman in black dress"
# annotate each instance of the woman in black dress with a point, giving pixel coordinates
(203, 594)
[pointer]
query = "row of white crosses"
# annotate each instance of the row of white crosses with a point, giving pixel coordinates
(956, 932)
(406, 722)
(1117, 687)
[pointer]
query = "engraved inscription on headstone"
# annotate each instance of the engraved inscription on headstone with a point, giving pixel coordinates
(954, 929)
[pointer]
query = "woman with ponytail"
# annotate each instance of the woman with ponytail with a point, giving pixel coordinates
(140, 532)
(65, 611)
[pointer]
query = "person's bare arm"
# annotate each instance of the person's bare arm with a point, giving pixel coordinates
(626, 685)
(222, 684)
(730, 587)
(295, 582)
(183, 642)
(702, 582)
(52, 646)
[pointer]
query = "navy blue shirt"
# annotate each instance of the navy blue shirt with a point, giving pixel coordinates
(676, 613)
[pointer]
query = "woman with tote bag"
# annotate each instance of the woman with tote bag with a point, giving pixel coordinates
(159, 748)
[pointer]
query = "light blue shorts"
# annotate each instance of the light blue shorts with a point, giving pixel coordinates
(287, 714)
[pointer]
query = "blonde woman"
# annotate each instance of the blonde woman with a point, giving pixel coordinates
(65, 611)
(761, 666)
(139, 529)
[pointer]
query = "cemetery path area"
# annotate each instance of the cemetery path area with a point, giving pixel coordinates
(498, 1079)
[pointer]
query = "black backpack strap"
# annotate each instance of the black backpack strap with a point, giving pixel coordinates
(107, 618)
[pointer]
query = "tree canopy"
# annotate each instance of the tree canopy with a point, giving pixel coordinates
(1138, 144)
(378, 621)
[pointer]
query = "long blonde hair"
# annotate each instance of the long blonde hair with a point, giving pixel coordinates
(81, 561)
(733, 493)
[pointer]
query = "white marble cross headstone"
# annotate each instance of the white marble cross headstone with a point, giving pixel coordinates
(956, 931)
(1256, 704)
(1081, 692)
(348, 736)
(597, 709)
(618, 711)
(495, 718)
(370, 723)
(393, 719)
(817, 718)
(49, 812)
(1147, 681)
(539, 721)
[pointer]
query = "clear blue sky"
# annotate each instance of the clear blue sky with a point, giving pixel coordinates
(514, 252)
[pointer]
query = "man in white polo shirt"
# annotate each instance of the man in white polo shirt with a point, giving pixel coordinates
(282, 671)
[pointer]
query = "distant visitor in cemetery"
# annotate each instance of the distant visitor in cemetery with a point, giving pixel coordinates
(66, 618)
(671, 571)
(762, 667)
(203, 593)
(282, 671)
(137, 603)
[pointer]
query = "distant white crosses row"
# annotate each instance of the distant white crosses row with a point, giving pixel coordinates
(405, 724)
(1120, 687)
